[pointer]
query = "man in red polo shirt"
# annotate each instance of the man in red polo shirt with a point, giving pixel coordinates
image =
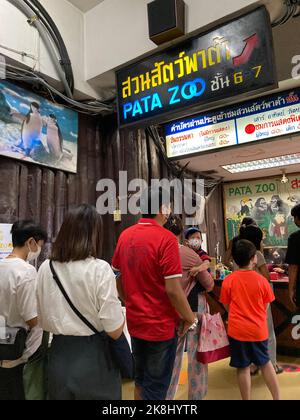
(147, 256)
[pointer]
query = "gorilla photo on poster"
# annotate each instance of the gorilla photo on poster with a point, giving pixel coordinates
(36, 130)
(268, 202)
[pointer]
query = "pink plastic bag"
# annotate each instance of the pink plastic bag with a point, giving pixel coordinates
(213, 342)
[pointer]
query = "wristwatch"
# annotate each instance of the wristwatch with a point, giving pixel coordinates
(194, 325)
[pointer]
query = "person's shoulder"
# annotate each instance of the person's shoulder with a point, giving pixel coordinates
(166, 234)
(97, 262)
(260, 258)
(255, 276)
(44, 266)
(24, 266)
(188, 252)
(24, 272)
(101, 267)
(230, 278)
(129, 232)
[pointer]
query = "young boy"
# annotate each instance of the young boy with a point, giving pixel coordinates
(248, 294)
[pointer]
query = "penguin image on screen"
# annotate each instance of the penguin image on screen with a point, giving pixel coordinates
(31, 131)
(54, 137)
(55, 140)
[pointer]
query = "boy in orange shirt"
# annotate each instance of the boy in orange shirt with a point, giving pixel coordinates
(248, 295)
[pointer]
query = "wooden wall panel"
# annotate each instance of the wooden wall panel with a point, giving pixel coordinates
(9, 189)
(215, 222)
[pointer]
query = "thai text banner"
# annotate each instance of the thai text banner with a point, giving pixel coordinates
(235, 59)
(272, 116)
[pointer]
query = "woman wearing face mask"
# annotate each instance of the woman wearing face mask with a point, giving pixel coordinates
(18, 306)
(197, 372)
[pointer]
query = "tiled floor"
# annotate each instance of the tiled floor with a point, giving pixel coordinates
(223, 386)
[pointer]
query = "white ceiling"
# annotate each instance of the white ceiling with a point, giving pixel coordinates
(273, 148)
(85, 5)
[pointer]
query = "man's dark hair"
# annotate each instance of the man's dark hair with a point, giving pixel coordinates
(253, 234)
(242, 252)
(25, 229)
(152, 200)
(296, 211)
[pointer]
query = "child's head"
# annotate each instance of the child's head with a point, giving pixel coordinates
(244, 253)
(193, 238)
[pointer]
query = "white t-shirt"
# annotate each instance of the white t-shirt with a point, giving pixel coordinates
(91, 286)
(18, 303)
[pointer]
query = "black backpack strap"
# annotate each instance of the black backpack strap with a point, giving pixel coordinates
(75, 310)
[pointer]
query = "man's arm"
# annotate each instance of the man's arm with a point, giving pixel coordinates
(179, 302)
(293, 274)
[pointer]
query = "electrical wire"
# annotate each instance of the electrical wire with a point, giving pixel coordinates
(17, 73)
(22, 53)
(291, 12)
(53, 31)
(48, 42)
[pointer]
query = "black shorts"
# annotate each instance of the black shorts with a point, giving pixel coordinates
(243, 353)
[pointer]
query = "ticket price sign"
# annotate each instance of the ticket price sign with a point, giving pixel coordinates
(253, 121)
(232, 60)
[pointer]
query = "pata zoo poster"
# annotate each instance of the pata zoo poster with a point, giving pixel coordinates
(268, 202)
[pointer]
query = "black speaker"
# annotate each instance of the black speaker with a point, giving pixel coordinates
(166, 20)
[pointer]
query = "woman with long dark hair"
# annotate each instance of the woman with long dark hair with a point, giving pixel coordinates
(228, 260)
(80, 364)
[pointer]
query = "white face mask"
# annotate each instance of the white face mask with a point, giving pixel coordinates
(195, 244)
(33, 256)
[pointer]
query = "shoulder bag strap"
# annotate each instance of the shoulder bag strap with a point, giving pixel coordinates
(75, 310)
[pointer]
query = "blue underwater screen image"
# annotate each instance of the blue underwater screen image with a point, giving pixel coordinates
(36, 130)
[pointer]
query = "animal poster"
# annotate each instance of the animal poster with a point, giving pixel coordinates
(33, 129)
(268, 202)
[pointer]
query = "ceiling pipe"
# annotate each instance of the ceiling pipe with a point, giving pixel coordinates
(33, 20)
(281, 11)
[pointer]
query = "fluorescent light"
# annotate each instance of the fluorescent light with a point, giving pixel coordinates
(257, 165)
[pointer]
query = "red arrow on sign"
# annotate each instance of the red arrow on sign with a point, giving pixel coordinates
(251, 43)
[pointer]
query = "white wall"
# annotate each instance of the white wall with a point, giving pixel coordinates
(106, 37)
(17, 34)
(117, 30)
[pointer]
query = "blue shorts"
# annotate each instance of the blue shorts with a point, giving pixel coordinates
(154, 363)
(243, 353)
